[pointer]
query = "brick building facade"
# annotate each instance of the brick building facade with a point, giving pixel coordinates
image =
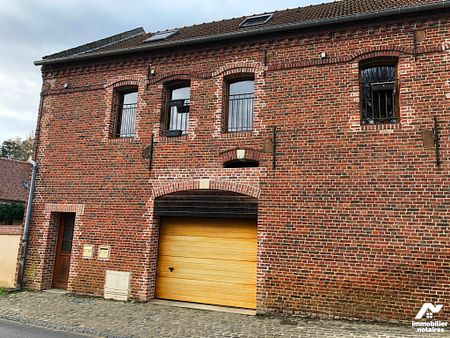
(352, 212)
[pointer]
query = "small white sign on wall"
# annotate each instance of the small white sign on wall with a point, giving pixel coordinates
(104, 252)
(88, 251)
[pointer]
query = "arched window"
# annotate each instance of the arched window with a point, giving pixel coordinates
(176, 119)
(379, 91)
(239, 112)
(124, 111)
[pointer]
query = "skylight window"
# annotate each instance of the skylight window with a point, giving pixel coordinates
(161, 35)
(256, 20)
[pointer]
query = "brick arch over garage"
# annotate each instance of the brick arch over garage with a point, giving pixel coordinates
(151, 233)
(226, 185)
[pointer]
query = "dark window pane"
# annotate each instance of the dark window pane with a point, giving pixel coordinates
(378, 74)
(378, 94)
(69, 222)
(241, 164)
(66, 246)
(68, 234)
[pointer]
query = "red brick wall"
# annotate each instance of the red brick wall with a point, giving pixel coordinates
(11, 229)
(353, 222)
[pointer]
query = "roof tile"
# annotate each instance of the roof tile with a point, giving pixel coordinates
(12, 175)
(283, 17)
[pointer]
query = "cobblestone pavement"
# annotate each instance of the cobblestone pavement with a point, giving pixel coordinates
(98, 317)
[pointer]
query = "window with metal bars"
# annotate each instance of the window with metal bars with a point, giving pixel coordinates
(126, 112)
(379, 93)
(240, 106)
(177, 110)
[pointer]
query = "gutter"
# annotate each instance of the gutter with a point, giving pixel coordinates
(24, 246)
(444, 4)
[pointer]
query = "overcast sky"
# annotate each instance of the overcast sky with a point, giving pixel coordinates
(30, 29)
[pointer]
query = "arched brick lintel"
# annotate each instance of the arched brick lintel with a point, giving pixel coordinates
(174, 76)
(226, 185)
(238, 68)
(248, 154)
(123, 81)
(369, 54)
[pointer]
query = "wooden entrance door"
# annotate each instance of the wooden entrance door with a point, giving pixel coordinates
(207, 260)
(63, 250)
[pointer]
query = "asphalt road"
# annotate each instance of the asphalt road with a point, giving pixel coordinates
(9, 329)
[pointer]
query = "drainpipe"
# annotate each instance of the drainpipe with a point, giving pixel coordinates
(23, 250)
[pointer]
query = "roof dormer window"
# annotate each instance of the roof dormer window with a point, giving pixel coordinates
(256, 20)
(161, 35)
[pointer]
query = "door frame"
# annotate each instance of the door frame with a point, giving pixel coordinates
(62, 219)
(48, 221)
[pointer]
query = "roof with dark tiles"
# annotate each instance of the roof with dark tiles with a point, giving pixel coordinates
(12, 176)
(134, 39)
(91, 47)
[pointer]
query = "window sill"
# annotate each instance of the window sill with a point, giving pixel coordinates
(383, 126)
(173, 133)
(131, 139)
(231, 134)
(168, 139)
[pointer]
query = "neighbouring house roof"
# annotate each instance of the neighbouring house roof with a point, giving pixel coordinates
(14, 180)
(343, 11)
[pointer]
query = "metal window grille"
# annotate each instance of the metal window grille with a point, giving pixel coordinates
(127, 120)
(178, 115)
(240, 112)
(379, 92)
(379, 101)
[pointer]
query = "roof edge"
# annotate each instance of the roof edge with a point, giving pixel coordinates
(14, 160)
(129, 35)
(263, 30)
(100, 43)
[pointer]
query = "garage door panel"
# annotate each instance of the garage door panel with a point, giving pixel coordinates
(216, 253)
(213, 261)
(198, 228)
(207, 231)
(199, 298)
(208, 243)
(215, 292)
(228, 253)
(205, 277)
(199, 264)
(208, 275)
(208, 286)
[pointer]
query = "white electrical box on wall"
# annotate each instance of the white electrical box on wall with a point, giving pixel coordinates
(117, 285)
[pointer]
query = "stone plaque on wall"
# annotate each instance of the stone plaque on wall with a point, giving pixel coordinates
(88, 251)
(104, 252)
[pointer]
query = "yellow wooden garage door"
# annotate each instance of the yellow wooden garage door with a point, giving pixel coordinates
(207, 260)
